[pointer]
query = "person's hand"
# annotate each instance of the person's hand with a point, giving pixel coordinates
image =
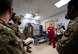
(23, 41)
(18, 41)
(48, 30)
(63, 39)
(66, 34)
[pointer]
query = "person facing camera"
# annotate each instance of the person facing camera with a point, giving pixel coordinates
(51, 35)
(28, 34)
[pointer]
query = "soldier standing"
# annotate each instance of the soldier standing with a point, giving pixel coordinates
(28, 33)
(69, 42)
(9, 42)
(15, 27)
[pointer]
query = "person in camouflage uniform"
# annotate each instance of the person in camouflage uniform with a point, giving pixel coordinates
(9, 42)
(15, 26)
(69, 42)
(27, 33)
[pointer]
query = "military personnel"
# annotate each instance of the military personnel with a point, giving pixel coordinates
(15, 26)
(69, 42)
(27, 33)
(30, 29)
(9, 42)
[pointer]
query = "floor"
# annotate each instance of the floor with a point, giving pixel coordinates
(43, 49)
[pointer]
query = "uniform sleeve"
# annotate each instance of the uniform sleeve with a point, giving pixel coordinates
(72, 30)
(7, 38)
(4, 37)
(4, 51)
(4, 40)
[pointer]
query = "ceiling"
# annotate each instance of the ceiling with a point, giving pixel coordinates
(45, 8)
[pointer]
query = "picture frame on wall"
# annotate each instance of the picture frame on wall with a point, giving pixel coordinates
(47, 24)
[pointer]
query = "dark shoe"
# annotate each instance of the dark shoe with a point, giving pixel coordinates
(49, 44)
(30, 47)
(54, 47)
(29, 51)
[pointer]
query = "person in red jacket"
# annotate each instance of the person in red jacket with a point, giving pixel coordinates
(51, 35)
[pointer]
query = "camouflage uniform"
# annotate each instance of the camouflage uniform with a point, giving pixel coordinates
(16, 29)
(9, 42)
(18, 34)
(69, 42)
(27, 32)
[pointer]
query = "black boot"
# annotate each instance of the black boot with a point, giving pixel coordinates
(49, 44)
(29, 47)
(29, 51)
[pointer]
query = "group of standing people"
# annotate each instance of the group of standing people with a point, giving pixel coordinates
(68, 43)
(27, 32)
(11, 41)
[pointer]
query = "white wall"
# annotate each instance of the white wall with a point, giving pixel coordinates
(60, 17)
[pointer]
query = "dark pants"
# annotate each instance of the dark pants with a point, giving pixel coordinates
(28, 46)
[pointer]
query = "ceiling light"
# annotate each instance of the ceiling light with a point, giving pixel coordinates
(28, 15)
(37, 17)
(61, 3)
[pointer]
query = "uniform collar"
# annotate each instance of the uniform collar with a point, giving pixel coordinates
(2, 22)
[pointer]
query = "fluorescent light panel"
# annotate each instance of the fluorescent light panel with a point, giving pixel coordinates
(28, 15)
(37, 17)
(61, 3)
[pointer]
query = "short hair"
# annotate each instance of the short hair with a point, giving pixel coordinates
(72, 3)
(5, 5)
(29, 24)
